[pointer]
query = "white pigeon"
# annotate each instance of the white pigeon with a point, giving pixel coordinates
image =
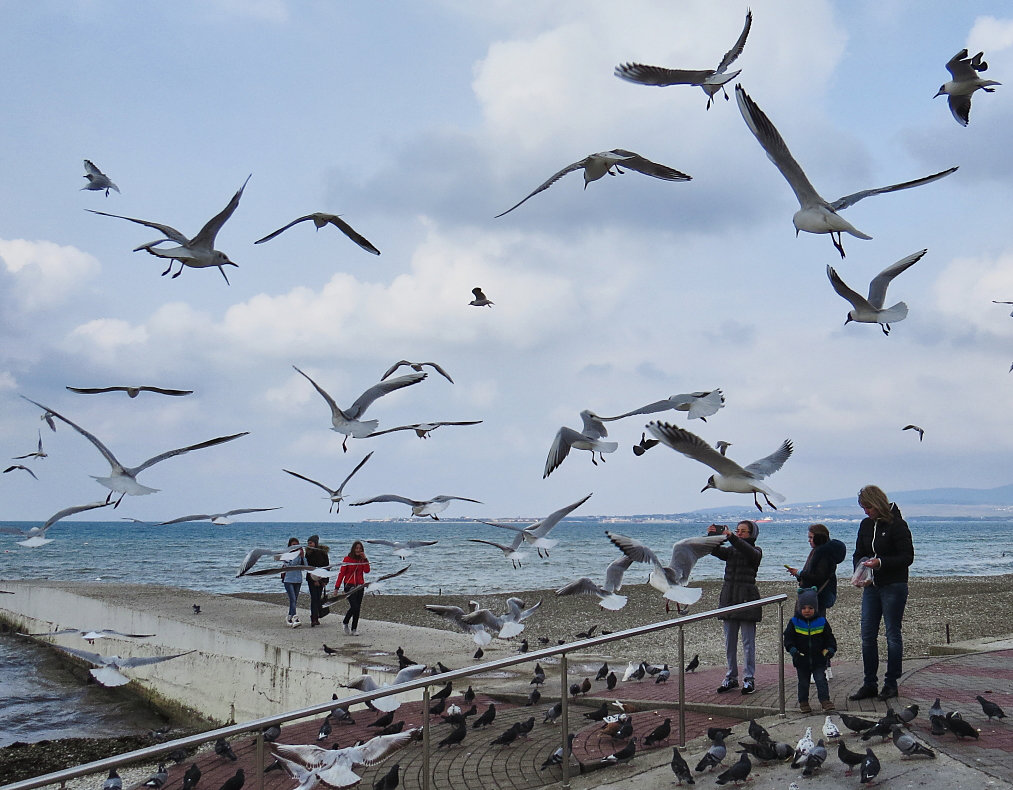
(107, 668)
(321, 220)
(590, 438)
(608, 593)
(366, 683)
(963, 82)
(99, 181)
(670, 580)
(198, 252)
(335, 495)
(830, 730)
(36, 536)
(420, 507)
(402, 548)
(710, 80)
(537, 534)
(597, 165)
(730, 476)
(510, 551)
(218, 519)
(335, 768)
(871, 310)
(804, 746)
(123, 479)
(699, 405)
(815, 215)
(347, 421)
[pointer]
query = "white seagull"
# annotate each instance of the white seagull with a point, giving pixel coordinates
(107, 668)
(132, 392)
(537, 533)
(347, 421)
(322, 220)
(597, 165)
(366, 683)
(590, 438)
(36, 536)
(480, 300)
(420, 507)
(710, 80)
(92, 634)
(99, 181)
(417, 367)
(334, 494)
(964, 81)
(608, 593)
(730, 476)
(281, 555)
(871, 310)
(423, 429)
(402, 548)
(815, 215)
(198, 252)
(698, 405)
(670, 580)
(39, 453)
(510, 551)
(335, 768)
(123, 478)
(218, 519)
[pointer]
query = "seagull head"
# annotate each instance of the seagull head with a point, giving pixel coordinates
(710, 484)
(221, 259)
(850, 318)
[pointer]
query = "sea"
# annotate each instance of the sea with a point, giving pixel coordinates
(40, 700)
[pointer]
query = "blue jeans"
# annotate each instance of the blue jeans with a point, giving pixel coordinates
(292, 590)
(884, 603)
(819, 675)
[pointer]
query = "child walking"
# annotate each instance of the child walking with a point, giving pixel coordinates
(810, 642)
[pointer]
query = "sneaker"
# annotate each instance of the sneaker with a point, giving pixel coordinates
(288, 620)
(827, 705)
(865, 692)
(295, 622)
(348, 630)
(803, 707)
(748, 686)
(727, 685)
(355, 632)
(888, 692)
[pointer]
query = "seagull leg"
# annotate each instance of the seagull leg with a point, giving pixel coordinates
(769, 503)
(167, 270)
(757, 503)
(344, 444)
(222, 270)
(838, 242)
(885, 328)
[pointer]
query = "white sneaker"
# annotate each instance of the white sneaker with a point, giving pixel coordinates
(355, 632)
(348, 630)
(288, 620)
(295, 622)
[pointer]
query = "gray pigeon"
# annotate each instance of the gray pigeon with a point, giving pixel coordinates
(553, 713)
(715, 754)
(681, 768)
(113, 781)
(908, 745)
(816, 757)
(737, 773)
(224, 749)
(908, 714)
(158, 779)
(990, 709)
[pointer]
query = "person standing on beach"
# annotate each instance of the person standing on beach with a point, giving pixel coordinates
(317, 556)
(820, 570)
(352, 574)
(810, 642)
(884, 545)
(293, 581)
(742, 559)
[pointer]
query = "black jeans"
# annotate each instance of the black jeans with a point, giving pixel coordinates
(354, 605)
(316, 599)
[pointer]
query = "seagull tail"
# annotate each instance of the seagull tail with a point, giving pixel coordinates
(683, 595)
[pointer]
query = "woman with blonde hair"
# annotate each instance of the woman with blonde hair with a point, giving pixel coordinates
(884, 545)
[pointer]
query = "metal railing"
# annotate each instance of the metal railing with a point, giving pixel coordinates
(258, 725)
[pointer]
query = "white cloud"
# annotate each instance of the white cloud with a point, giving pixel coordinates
(990, 35)
(44, 274)
(966, 287)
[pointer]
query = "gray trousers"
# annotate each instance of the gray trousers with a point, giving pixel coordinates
(747, 630)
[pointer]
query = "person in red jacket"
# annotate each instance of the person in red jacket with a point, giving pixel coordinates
(353, 569)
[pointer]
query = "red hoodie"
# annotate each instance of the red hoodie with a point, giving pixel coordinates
(352, 572)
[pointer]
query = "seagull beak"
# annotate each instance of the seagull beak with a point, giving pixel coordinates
(848, 320)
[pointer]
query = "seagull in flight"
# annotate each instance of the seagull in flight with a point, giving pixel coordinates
(608, 593)
(347, 421)
(417, 367)
(99, 181)
(611, 162)
(334, 494)
(537, 533)
(322, 220)
(218, 519)
(480, 299)
(510, 551)
(699, 405)
(871, 310)
(14, 467)
(920, 431)
(963, 82)
(107, 668)
(122, 478)
(730, 476)
(996, 301)
(402, 548)
(710, 80)
(815, 215)
(198, 252)
(39, 453)
(91, 634)
(336, 768)
(132, 392)
(366, 683)
(590, 438)
(422, 429)
(36, 536)
(420, 507)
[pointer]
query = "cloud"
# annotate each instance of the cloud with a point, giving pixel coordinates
(42, 274)
(990, 35)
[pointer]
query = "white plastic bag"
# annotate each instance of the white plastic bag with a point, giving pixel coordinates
(862, 574)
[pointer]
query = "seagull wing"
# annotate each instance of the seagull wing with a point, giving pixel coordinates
(777, 150)
(771, 463)
(335, 410)
(686, 552)
(454, 613)
(184, 519)
(388, 498)
(242, 510)
(376, 749)
(92, 658)
(692, 446)
(181, 450)
(347, 229)
(409, 673)
(615, 571)
(850, 200)
(582, 586)
(658, 75)
(281, 230)
(382, 542)
(94, 171)
(542, 527)
(163, 391)
(394, 367)
(633, 161)
(502, 547)
(90, 437)
(858, 301)
(568, 169)
(633, 549)
(439, 370)
(960, 67)
(362, 403)
(141, 661)
(169, 231)
(879, 284)
(206, 236)
(95, 390)
(736, 49)
(314, 482)
(560, 448)
(448, 498)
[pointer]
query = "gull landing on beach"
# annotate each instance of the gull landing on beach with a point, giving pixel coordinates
(198, 252)
(609, 162)
(871, 310)
(321, 220)
(710, 80)
(815, 215)
(99, 181)
(963, 82)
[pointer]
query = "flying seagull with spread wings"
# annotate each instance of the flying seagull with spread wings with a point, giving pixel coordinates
(132, 392)
(36, 536)
(334, 494)
(321, 220)
(871, 310)
(107, 668)
(420, 507)
(698, 405)
(963, 82)
(218, 519)
(590, 438)
(97, 180)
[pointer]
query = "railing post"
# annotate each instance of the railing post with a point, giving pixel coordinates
(259, 760)
(682, 687)
(425, 738)
(780, 666)
(564, 703)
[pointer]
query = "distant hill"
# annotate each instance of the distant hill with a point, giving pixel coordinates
(1003, 495)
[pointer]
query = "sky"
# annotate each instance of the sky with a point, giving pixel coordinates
(418, 122)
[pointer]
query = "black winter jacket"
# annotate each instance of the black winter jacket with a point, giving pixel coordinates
(890, 542)
(742, 559)
(822, 567)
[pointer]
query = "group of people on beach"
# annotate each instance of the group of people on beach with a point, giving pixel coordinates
(350, 579)
(883, 553)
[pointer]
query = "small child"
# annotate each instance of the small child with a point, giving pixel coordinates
(810, 642)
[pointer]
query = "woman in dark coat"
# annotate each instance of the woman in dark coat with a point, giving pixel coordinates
(742, 559)
(820, 568)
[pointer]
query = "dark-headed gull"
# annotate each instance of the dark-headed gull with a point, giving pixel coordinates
(39, 453)
(511, 551)
(218, 519)
(423, 507)
(36, 536)
(480, 300)
(590, 438)
(815, 215)
(611, 162)
(698, 405)
(100, 182)
(537, 533)
(402, 548)
(335, 768)
(133, 392)
(670, 580)
(366, 683)
(107, 668)
(321, 220)
(711, 80)
(871, 310)
(423, 429)
(417, 367)
(964, 81)
(608, 593)
(198, 252)
(22, 467)
(347, 421)
(334, 494)
(122, 478)
(730, 476)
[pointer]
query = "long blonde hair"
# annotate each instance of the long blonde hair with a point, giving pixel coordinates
(874, 497)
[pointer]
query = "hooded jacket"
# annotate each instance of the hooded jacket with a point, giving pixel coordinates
(822, 567)
(888, 541)
(806, 639)
(742, 559)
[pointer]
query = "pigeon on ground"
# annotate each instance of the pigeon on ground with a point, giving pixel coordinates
(856, 723)
(663, 675)
(882, 727)
(908, 744)
(849, 758)
(611, 680)
(323, 732)
(486, 718)
(533, 697)
(469, 695)
(158, 779)
(816, 757)
(598, 714)
(763, 751)
(508, 737)
(437, 707)
(830, 731)
(624, 755)
(330, 650)
(224, 749)
(539, 676)
(553, 713)
(719, 733)
(959, 727)
(113, 781)
(556, 758)
(234, 782)
(990, 709)
(390, 780)
(455, 737)
(757, 732)
(870, 766)
(191, 777)
(384, 720)
(802, 749)
(737, 772)
(908, 714)
(715, 754)
(602, 672)
(659, 733)
(681, 768)
(693, 663)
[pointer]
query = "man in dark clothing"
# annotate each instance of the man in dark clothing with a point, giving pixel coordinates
(742, 559)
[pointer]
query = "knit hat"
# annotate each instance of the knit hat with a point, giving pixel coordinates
(807, 597)
(313, 539)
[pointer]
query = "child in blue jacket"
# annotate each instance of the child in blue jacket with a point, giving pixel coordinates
(810, 642)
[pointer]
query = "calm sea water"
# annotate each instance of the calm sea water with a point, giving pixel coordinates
(38, 700)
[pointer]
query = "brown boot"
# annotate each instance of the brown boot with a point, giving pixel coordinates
(314, 622)
(828, 705)
(804, 707)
